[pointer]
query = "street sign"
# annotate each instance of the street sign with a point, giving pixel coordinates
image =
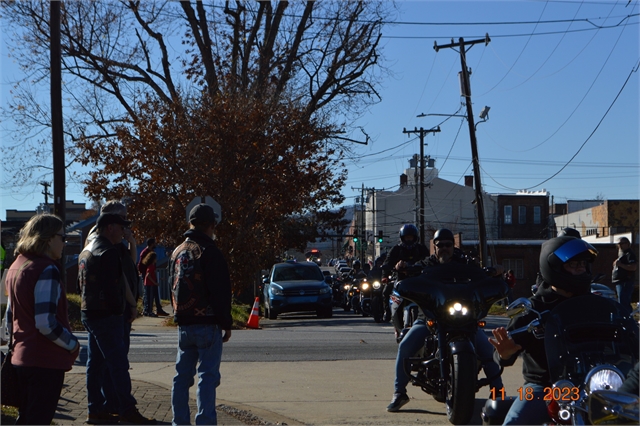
(208, 201)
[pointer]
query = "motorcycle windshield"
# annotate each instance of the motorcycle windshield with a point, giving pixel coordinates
(586, 331)
(436, 297)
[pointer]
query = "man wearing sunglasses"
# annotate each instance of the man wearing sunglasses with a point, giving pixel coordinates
(440, 264)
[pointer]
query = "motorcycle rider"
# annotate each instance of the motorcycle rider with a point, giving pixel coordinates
(406, 253)
(439, 264)
(564, 266)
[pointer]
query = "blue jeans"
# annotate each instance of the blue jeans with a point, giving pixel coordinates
(414, 340)
(199, 350)
(108, 390)
(151, 295)
(524, 412)
(106, 350)
(624, 290)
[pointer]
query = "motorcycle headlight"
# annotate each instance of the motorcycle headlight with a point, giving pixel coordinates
(376, 285)
(604, 377)
(457, 309)
(276, 291)
(346, 286)
(365, 286)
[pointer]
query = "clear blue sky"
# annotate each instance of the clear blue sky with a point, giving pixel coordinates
(559, 78)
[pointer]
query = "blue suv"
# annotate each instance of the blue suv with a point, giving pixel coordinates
(296, 287)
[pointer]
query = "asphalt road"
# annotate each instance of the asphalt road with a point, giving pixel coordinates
(292, 337)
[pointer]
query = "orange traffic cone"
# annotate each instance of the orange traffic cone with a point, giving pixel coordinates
(254, 318)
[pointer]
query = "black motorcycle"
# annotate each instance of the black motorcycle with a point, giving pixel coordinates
(449, 368)
(591, 345)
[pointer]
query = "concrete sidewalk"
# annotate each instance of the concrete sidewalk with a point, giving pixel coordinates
(153, 396)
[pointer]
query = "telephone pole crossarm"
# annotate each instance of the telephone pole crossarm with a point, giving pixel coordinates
(422, 132)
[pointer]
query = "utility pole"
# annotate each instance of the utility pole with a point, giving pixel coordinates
(46, 192)
(59, 195)
(466, 88)
(421, 133)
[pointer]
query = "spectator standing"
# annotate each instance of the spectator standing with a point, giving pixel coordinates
(201, 295)
(142, 268)
(624, 268)
(128, 252)
(43, 345)
(105, 298)
(151, 286)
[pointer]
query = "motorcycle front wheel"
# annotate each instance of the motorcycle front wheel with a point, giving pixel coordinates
(461, 392)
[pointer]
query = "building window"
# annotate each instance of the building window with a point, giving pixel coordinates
(516, 265)
(522, 214)
(508, 219)
(536, 214)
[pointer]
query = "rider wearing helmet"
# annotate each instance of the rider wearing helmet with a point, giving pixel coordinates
(565, 271)
(448, 263)
(406, 253)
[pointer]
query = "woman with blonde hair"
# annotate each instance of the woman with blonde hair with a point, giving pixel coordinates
(43, 345)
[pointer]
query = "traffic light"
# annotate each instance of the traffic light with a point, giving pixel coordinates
(355, 237)
(380, 236)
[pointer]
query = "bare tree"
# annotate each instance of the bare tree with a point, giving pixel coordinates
(317, 54)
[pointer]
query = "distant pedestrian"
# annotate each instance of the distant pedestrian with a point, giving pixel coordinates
(104, 300)
(151, 287)
(624, 268)
(43, 345)
(201, 296)
(142, 268)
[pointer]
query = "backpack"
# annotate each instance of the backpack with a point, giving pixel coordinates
(189, 294)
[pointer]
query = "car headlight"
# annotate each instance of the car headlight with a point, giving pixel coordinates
(457, 309)
(604, 377)
(276, 291)
(376, 285)
(325, 290)
(365, 286)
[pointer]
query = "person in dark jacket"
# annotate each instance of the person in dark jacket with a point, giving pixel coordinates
(204, 320)
(624, 269)
(106, 297)
(564, 267)
(43, 345)
(445, 265)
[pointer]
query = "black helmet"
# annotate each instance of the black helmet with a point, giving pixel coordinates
(356, 264)
(443, 234)
(570, 232)
(409, 230)
(555, 253)
(380, 259)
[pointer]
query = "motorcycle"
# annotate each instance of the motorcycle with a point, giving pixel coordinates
(448, 369)
(611, 407)
(337, 289)
(590, 346)
(371, 303)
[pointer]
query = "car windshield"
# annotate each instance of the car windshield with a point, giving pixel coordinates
(297, 273)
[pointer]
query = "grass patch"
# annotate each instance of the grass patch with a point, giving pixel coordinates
(239, 313)
(9, 415)
(497, 309)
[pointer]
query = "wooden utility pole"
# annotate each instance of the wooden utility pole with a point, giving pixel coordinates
(466, 92)
(59, 193)
(421, 133)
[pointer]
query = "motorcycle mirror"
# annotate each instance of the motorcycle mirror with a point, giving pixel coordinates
(520, 306)
(612, 407)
